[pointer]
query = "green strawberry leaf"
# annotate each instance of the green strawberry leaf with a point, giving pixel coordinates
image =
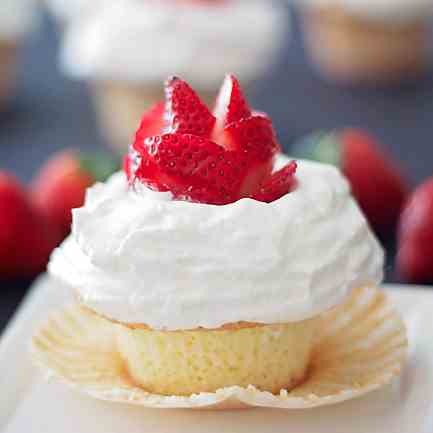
(320, 146)
(99, 165)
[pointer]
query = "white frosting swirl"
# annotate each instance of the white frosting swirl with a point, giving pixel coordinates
(140, 257)
(17, 17)
(147, 41)
(398, 11)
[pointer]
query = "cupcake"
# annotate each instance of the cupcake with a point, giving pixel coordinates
(66, 11)
(212, 258)
(128, 47)
(16, 19)
(371, 42)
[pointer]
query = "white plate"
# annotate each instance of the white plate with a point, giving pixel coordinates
(28, 403)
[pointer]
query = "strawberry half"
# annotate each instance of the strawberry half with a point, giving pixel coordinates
(254, 134)
(215, 159)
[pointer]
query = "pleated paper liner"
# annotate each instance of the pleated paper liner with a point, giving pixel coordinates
(362, 346)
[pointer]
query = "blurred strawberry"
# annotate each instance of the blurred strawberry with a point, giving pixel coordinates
(26, 239)
(415, 249)
(376, 179)
(61, 184)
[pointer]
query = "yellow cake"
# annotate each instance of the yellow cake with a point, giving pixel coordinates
(271, 357)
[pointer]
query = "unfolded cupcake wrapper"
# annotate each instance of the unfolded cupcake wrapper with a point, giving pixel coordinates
(361, 346)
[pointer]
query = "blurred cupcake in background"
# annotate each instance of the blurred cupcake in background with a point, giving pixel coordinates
(367, 41)
(16, 20)
(65, 11)
(126, 49)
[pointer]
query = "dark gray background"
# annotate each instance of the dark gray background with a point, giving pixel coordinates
(51, 112)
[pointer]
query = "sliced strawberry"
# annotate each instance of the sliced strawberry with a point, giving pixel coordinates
(127, 166)
(231, 105)
(255, 138)
(195, 169)
(153, 121)
(201, 159)
(237, 127)
(254, 134)
(278, 184)
(186, 113)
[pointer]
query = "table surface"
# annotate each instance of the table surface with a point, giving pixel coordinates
(51, 112)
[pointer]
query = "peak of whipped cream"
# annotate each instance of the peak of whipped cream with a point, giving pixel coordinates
(140, 257)
(17, 17)
(144, 42)
(398, 11)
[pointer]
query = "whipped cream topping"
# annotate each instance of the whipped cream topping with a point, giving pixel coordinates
(17, 17)
(140, 257)
(146, 41)
(388, 10)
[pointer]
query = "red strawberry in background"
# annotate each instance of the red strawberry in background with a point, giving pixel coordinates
(61, 184)
(215, 158)
(26, 238)
(375, 178)
(415, 247)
